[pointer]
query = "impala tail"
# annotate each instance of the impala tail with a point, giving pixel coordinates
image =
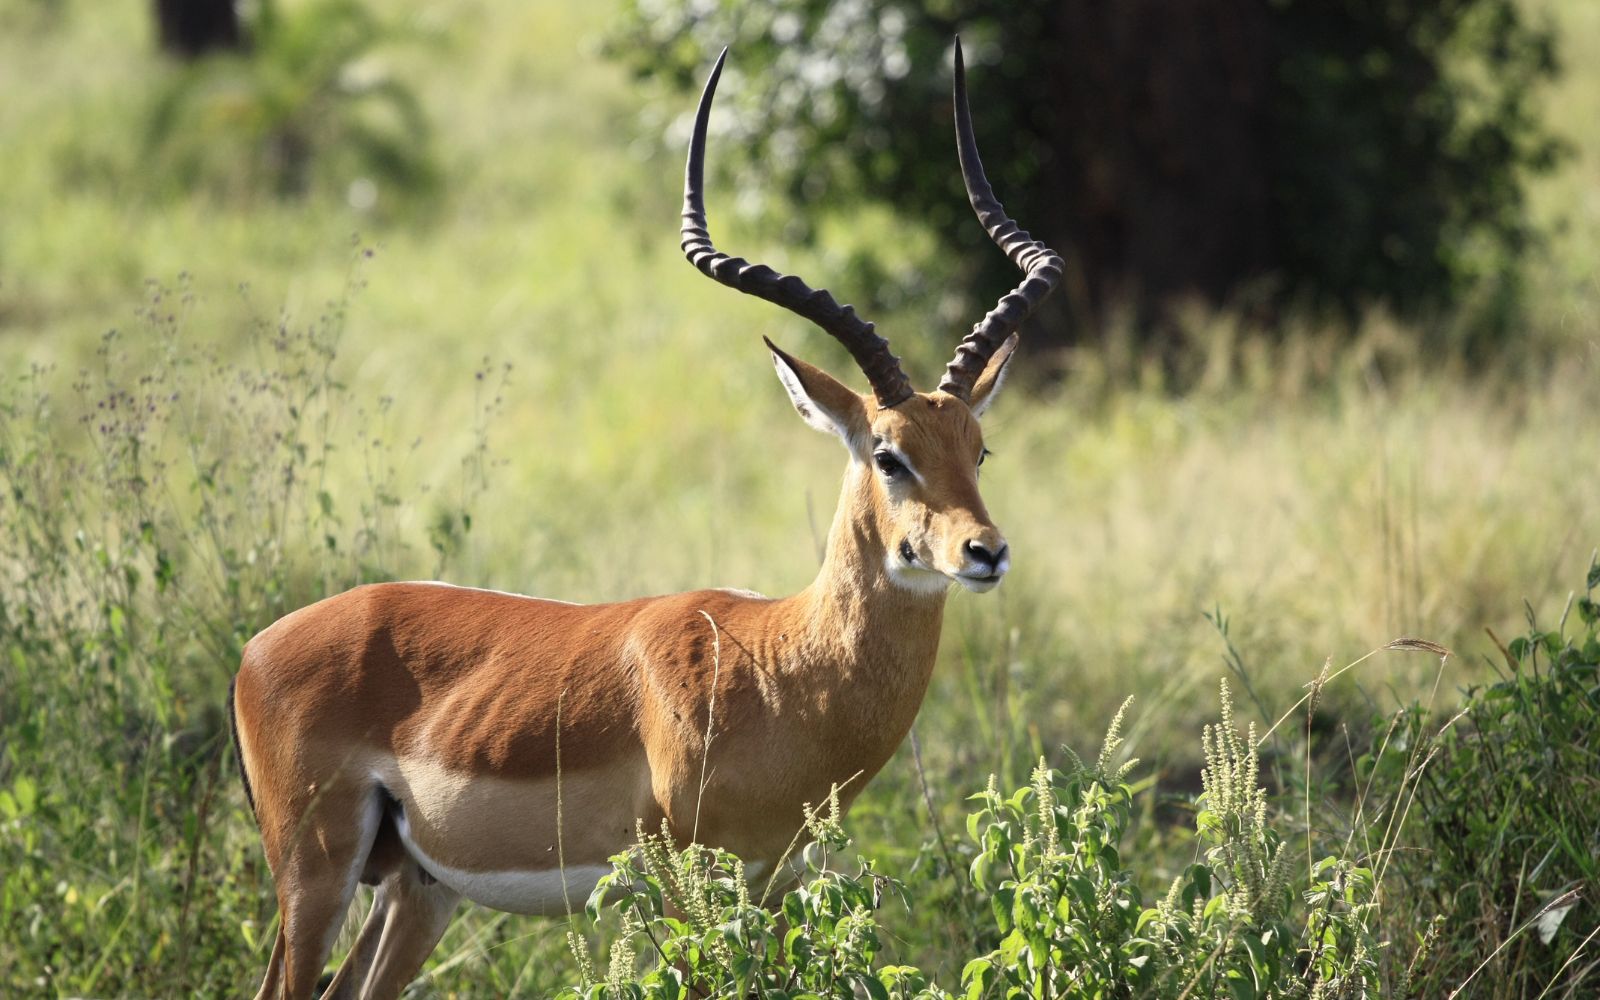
(238, 754)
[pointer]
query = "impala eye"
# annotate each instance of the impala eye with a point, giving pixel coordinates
(888, 464)
(983, 455)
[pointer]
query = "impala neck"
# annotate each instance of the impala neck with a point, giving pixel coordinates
(859, 618)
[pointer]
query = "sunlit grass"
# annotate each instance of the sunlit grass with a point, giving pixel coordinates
(1323, 502)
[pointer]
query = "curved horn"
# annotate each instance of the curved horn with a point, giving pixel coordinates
(1041, 264)
(871, 351)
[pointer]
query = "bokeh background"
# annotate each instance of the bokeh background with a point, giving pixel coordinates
(300, 293)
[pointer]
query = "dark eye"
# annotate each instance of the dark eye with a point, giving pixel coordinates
(888, 464)
(985, 453)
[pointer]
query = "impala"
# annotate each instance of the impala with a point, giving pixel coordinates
(416, 736)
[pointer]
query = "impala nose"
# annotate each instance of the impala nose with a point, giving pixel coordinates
(993, 561)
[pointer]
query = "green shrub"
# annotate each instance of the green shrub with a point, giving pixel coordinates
(1068, 916)
(1506, 821)
(153, 516)
(1334, 154)
(308, 107)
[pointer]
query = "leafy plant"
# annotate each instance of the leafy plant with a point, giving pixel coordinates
(309, 106)
(1313, 153)
(707, 936)
(1506, 821)
(1068, 915)
(1073, 918)
(153, 516)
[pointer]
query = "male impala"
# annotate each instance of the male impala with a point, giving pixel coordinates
(407, 735)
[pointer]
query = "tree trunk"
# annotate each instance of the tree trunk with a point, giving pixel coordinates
(191, 28)
(1162, 160)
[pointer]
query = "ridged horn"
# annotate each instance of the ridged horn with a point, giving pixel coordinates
(1041, 265)
(871, 351)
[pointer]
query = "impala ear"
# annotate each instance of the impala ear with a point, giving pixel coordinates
(822, 400)
(993, 377)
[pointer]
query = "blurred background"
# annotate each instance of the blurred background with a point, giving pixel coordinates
(299, 293)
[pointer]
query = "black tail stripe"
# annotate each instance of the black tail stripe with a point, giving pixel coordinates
(238, 754)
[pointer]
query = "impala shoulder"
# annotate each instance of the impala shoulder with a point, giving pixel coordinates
(700, 625)
(717, 603)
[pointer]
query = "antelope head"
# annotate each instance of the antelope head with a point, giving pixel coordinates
(914, 455)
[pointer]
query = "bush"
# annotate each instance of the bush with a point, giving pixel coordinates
(1335, 155)
(1506, 821)
(309, 107)
(153, 517)
(1068, 917)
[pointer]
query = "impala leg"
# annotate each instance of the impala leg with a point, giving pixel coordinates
(416, 912)
(385, 860)
(316, 866)
(353, 971)
(272, 984)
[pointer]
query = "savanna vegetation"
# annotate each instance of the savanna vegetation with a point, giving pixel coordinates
(395, 292)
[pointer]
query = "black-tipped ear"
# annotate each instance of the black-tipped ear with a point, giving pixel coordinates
(821, 400)
(993, 376)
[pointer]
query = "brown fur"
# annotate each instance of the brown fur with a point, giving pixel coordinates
(447, 708)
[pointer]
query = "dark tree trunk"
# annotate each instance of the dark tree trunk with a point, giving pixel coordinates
(190, 28)
(1160, 152)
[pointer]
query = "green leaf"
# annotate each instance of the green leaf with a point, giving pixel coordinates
(1588, 610)
(1001, 901)
(983, 871)
(1240, 987)
(870, 984)
(794, 909)
(978, 974)
(27, 794)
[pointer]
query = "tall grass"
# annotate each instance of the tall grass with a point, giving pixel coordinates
(161, 505)
(1317, 502)
(1268, 907)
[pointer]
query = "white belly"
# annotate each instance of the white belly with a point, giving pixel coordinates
(550, 892)
(497, 842)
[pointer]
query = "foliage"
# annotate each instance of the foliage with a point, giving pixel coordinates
(1073, 918)
(1507, 816)
(692, 913)
(649, 453)
(152, 519)
(310, 105)
(1349, 153)
(1408, 132)
(1068, 916)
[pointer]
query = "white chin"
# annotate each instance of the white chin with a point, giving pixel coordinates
(982, 586)
(917, 580)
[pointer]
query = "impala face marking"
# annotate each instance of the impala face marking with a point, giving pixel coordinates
(444, 742)
(933, 513)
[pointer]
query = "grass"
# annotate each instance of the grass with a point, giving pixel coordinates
(1318, 502)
